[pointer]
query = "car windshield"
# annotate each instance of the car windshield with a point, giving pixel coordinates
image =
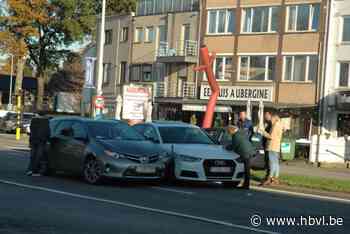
(184, 135)
(115, 131)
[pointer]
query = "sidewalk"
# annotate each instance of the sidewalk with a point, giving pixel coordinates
(301, 168)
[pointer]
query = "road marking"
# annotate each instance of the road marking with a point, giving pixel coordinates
(298, 194)
(174, 190)
(144, 208)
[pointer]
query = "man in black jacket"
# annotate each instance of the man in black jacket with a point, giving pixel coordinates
(39, 135)
(268, 128)
(244, 148)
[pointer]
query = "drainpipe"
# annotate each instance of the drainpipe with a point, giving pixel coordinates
(323, 82)
(199, 40)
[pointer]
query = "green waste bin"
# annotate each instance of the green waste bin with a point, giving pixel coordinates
(288, 147)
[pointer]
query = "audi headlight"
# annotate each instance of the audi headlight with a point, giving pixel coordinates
(114, 154)
(187, 158)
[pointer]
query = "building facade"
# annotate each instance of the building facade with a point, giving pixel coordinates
(116, 59)
(337, 68)
(269, 50)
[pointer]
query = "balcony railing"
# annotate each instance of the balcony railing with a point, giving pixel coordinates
(185, 90)
(182, 48)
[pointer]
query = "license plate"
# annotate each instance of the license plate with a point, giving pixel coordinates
(220, 169)
(145, 170)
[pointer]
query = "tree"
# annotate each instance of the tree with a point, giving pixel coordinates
(44, 29)
(70, 78)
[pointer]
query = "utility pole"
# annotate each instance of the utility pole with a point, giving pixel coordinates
(98, 111)
(9, 107)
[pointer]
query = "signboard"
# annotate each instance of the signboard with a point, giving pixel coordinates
(99, 102)
(240, 93)
(135, 100)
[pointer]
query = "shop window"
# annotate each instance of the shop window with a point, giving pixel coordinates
(343, 125)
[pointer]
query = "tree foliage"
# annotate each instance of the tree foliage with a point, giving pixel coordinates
(42, 30)
(70, 78)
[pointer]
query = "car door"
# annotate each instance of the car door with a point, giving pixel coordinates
(76, 149)
(59, 143)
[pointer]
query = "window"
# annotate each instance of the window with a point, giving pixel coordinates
(149, 7)
(79, 131)
(300, 68)
(223, 68)
(107, 72)
(346, 29)
(343, 123)
(162, 33)
(135, 73)
(303, 17)
(108, 37)
(124, 34)
(62, 125)
(150, 34)
(147, 73)
(260, 68)
(123, 69)
(138, 35)
(344, 74)
(260, 19)
(221, 21)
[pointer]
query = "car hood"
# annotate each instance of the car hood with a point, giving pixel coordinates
(204, 151)
(134, 148)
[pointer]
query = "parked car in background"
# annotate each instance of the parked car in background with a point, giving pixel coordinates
(196, 157)
(98, 149)
(222, 137)
(9, 122)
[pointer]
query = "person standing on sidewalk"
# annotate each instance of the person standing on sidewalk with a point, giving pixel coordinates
(245, 124)
(244, 148)
(268, 127)
(39, 135)
(274, 148)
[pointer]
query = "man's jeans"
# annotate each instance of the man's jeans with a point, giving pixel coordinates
(274, 164)
(36, 154)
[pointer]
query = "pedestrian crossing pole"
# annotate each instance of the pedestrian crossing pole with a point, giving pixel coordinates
(19, 107)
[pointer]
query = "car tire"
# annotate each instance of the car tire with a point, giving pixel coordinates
(231, 184)
(92, 171)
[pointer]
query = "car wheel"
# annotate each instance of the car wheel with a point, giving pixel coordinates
(92, 171)
(231, 184)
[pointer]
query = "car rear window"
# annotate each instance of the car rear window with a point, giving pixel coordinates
(184, 135)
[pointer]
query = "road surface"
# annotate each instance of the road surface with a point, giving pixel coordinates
(65, 204)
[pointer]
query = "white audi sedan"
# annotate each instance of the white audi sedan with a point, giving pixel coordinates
(196, 156)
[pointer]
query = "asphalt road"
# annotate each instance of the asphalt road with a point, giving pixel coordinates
(65, 204)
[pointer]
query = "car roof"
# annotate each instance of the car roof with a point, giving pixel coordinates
(86, 120)
(164, 123)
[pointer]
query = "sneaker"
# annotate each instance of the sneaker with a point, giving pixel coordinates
(29, 173)
(36, 175)
(275, 181)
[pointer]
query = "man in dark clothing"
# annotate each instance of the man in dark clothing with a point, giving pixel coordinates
(268, 127)
(244, 148)
(245, 124)
(39, 135)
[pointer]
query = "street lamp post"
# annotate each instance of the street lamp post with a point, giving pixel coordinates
(98, 111)
(9, 107)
